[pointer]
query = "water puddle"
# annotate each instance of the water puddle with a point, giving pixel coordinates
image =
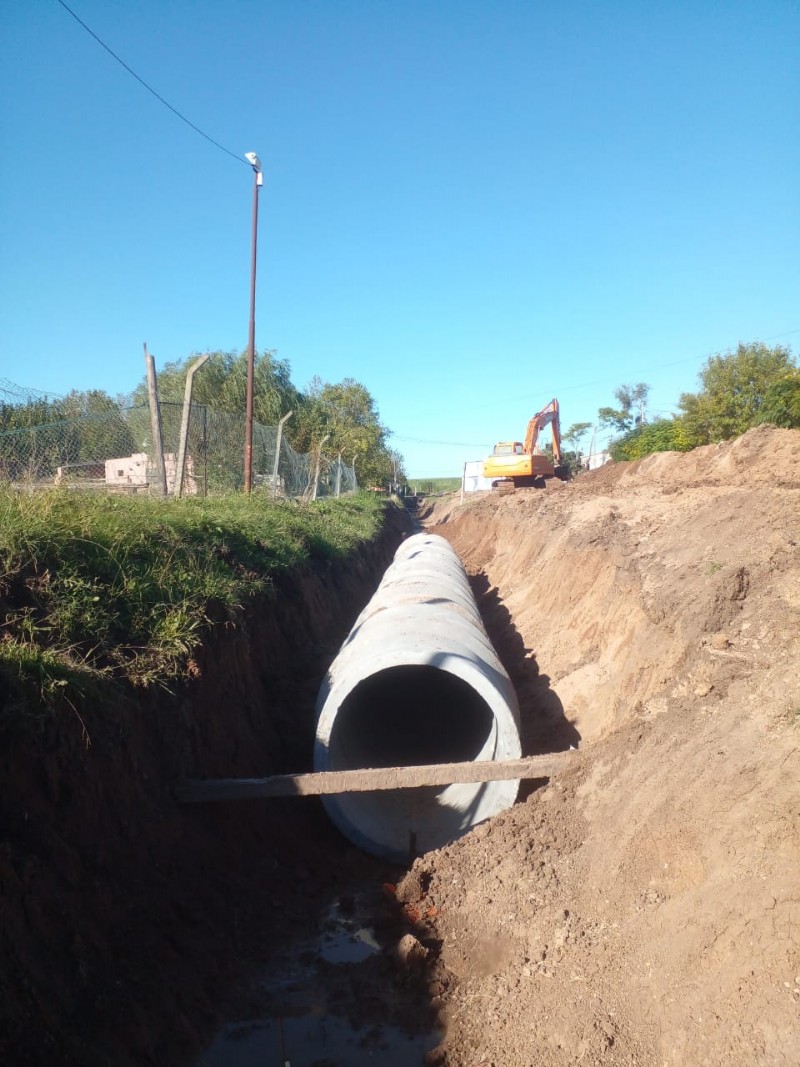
(330, 1000)
(344, 940)
(314, 1042)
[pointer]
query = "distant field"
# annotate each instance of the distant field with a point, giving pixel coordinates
(434, 485)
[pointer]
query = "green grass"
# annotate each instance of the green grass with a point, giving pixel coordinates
(435, 485)
(97, 587)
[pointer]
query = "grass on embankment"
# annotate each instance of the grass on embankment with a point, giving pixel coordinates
(99, 587)
(429, 486)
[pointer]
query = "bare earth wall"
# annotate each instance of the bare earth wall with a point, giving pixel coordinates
(644, 908)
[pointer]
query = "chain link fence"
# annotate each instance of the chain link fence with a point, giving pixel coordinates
(90, 441)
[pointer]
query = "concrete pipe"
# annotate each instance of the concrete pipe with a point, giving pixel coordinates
(417, 681)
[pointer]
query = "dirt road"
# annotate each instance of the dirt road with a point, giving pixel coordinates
(644, 908)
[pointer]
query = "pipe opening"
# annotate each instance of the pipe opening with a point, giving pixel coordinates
(409, 715)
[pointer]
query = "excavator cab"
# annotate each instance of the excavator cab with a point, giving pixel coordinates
(509, 448)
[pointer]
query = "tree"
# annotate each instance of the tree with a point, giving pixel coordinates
(82, 429)
(221, 385)
(28, 440)
(572, 437)
(346, 412)
(397, 463)
(663, 435)
(632, 400)
(95, 428)
(782, 404)
(734, 390)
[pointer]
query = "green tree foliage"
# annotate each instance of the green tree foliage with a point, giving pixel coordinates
(38, 412)
(572, 436)
(782, 404)
(663, 435)
(221, 384)
(23, 447)
(734, 388)
(632, 400)
(81, 429)
(96, 430)
(345, 411)
(397, 466)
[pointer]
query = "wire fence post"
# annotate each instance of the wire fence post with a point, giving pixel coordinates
(339, 474)
(278, 439)
(205, 451)
(316, 469)
(155, 422)
(187, 406)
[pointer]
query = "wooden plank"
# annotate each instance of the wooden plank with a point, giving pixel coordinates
(361, 781)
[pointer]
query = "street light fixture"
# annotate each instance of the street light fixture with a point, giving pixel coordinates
(258, 181)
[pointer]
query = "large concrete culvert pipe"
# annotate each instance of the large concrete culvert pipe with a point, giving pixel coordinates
(417, 682)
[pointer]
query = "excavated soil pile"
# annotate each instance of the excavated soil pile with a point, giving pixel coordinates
(644, 907)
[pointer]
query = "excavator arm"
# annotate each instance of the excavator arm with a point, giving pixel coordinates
(548, 416)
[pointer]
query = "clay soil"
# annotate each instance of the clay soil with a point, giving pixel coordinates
(644, 906)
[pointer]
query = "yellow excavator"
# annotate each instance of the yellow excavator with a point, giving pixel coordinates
(514, 464)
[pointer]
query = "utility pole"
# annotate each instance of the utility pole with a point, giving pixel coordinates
(258, 181)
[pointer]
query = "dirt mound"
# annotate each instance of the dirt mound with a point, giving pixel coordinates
(644, 908)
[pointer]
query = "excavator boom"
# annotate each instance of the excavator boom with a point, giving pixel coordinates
(548, 416)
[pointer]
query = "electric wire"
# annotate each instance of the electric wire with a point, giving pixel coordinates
(149, 88)
(645, 369)
(567, 389)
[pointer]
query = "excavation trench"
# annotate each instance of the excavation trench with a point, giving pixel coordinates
(416, 681)
(169, 917)
(631, 874)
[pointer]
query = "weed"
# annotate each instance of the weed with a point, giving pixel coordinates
(121, 586)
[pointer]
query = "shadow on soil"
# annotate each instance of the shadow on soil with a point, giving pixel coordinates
(543, 725)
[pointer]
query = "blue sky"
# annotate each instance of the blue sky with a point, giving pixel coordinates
(470, 207)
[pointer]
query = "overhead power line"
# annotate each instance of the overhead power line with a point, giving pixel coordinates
(149, 88)
(645, 369)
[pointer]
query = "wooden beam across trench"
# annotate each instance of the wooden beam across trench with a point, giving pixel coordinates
(327, 783)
